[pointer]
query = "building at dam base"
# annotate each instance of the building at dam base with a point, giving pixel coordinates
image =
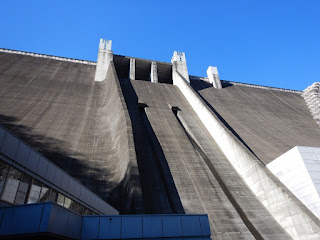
(128, 148)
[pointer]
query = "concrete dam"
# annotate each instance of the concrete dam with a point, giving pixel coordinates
(148, 138)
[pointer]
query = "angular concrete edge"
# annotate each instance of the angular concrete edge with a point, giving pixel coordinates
(299, 170)
(132, 164)
(289, 212)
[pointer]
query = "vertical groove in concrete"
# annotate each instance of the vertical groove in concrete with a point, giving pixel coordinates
(166, 176)
(197, 188)
(154, 193)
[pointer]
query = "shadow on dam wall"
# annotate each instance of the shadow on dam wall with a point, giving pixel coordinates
(95, 148)
(159, 191)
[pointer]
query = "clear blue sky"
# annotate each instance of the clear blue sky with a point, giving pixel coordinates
(274, 43)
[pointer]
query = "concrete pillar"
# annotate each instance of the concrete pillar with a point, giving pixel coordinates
(154, 72)
(179, 64)
(213, 76)
(105, 55)
(132, 71)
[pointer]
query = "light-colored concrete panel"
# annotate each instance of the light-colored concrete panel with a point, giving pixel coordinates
(299, 170)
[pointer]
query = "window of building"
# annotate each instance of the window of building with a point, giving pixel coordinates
(74, 206)
(35, 192)
(53, 196)
(80, 209)
(86, 211)
(67, 202)
(4, 169)
(23, 190)
(19, 188)
(60, 199)
(11, 186)
(45, 194)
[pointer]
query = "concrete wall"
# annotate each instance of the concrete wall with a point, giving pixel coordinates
(269, 121)
(79, 124)
(299, 170)
(124, 163)
(290, 213)
(234, 211)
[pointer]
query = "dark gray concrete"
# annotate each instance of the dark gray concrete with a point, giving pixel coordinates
(79, 124)
(234, 211)
(269, 122)
(115, 136)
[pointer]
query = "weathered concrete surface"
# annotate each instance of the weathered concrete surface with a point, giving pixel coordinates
(79, 124)
(234, 211)
(288, 211)
(112, 136)
(269, 122)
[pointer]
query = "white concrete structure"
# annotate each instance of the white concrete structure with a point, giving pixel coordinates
(213, 77)
(179, 64)
(312, 97)
(105, 55)
(132, 69)
(154, 72)
(299, 170)
(286, 209)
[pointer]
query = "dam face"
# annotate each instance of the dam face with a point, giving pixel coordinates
(147, 138)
